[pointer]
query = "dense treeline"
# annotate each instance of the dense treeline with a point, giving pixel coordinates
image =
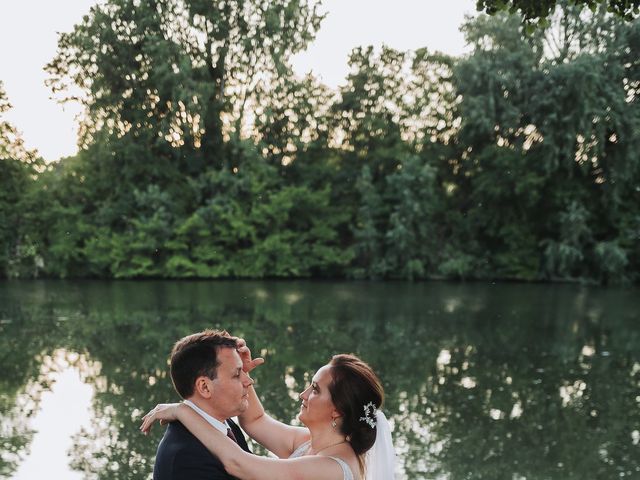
(204, 156)
(540, 10)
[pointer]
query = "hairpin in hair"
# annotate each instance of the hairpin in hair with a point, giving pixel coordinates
(369, 415)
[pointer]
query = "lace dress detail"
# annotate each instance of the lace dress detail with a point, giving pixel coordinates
(302, 449)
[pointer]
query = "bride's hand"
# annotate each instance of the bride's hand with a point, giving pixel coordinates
(245, 354)
(163, 412)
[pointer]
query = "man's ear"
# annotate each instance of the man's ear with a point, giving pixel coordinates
(204, 387)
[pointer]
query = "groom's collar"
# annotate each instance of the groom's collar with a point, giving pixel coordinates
(220, 426)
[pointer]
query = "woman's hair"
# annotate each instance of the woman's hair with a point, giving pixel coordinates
(354, 387)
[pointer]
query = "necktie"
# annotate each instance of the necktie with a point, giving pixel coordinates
(231, 435)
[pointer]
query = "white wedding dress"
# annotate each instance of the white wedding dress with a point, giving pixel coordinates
(380, 460)
(302, 449)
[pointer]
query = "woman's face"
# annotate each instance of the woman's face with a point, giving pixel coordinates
(317, 407)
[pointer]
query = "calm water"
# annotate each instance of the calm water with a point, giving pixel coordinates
(483, 381)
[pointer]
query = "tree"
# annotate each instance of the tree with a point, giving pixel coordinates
(551, 125)
(18, 169)
(204, 156)
(178, 75)
(166, 85)
(389, 116)
(540, 10)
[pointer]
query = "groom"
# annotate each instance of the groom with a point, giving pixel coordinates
(207, 373)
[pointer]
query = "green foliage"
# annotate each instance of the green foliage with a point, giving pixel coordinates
(252, 229)
(457, 265)
(14, 178)
(19, 256)
(204, 156)
(547, 122)
(611, 260)
(540, 10)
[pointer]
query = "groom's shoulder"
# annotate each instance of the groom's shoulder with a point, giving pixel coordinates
(176, 429)
(177, 439)
(180, 455)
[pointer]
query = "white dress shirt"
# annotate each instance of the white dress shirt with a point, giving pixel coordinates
(214, 422)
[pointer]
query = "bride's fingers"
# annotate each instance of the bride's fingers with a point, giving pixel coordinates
(147, 422)
(258, 361)
(147, 426)
(157, 414)
(151, 412)
(243, 349)
(143, 426)
(147, 415)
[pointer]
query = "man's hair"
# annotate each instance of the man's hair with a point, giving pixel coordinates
(195, 356)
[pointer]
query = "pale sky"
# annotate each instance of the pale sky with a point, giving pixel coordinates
(28, 41)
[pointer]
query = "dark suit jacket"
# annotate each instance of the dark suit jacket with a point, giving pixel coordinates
(181, 456)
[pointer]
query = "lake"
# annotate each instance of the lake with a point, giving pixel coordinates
(482, 381)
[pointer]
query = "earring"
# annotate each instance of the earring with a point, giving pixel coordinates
(333, 423)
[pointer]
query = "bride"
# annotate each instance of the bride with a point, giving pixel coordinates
(347, 437)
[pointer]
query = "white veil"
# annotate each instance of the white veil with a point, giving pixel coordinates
(380, 460)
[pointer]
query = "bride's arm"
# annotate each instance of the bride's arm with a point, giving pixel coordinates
(277, 437)
(247, 466)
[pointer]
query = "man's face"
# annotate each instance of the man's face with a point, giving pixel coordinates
(231, 385)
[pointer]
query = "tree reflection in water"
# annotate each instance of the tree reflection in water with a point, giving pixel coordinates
(21, 385)
(61, 413)
(482, 381)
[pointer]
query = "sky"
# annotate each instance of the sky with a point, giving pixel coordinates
(28, 39)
